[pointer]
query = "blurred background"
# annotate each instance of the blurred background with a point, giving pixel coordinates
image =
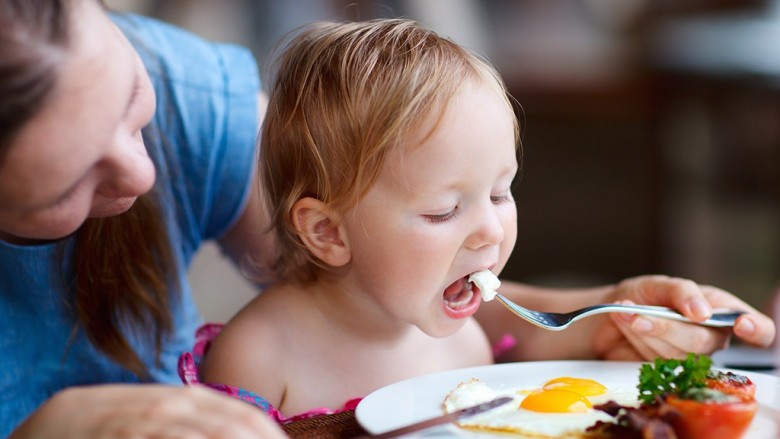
(651, 129)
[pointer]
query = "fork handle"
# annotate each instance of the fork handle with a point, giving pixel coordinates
(721, 319)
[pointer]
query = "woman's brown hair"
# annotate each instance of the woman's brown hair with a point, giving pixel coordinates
(122, 265)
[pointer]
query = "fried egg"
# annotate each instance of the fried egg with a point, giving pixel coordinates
(559, 408)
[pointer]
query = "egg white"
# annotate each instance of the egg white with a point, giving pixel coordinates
(487, 282)
(511, 418)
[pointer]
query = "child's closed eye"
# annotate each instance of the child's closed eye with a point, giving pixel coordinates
(441, 218)
(502, 198)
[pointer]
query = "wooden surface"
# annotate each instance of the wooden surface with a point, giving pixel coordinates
(339, 425)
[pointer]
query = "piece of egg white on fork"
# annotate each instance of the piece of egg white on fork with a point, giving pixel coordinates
(487, 282)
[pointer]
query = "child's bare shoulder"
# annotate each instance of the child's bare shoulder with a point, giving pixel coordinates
(249, 351)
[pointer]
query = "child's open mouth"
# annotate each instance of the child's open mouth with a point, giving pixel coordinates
(461, 298)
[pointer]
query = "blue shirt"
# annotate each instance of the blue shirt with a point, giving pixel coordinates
(207, 120)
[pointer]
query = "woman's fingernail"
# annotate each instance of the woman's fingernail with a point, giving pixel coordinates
(745, 326)
(699, 307)
(642, 325)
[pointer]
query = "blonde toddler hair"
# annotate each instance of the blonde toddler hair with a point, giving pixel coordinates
(345, 95)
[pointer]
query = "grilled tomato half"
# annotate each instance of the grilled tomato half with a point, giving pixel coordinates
(704, 413)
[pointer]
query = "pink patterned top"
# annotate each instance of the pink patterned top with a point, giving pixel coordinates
(188, 372)
(190, 362)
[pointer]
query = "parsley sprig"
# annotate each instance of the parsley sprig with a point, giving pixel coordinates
(666, 376)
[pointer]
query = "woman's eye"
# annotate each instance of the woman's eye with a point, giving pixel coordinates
(64, 199)
(442, 217)
(71, 194)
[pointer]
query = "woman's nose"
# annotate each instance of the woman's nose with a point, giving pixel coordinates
(490, 230)
(129, 170)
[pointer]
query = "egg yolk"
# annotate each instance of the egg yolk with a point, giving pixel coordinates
(555, 401)
(582, 386)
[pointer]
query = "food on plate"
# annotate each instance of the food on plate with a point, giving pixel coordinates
(710, 417)
(731, 384)
(559, 408)
(674, 399)
(684, 399)
(487, 282)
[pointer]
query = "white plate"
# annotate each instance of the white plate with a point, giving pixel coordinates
(420, 398)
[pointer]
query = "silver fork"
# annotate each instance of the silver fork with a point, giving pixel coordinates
(560, 321)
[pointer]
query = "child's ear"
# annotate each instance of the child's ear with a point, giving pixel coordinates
(321, 231)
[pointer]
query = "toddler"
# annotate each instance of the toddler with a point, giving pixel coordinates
(388, 154)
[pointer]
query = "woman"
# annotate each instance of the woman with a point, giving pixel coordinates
(98, 223)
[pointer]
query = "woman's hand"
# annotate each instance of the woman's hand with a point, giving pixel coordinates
(633, 337)
(146, 411)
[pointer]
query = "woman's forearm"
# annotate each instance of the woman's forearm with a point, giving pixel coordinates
(534, 343)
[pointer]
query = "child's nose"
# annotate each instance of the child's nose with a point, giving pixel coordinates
(489, 232)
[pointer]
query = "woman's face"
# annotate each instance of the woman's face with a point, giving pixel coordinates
(82, 155)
